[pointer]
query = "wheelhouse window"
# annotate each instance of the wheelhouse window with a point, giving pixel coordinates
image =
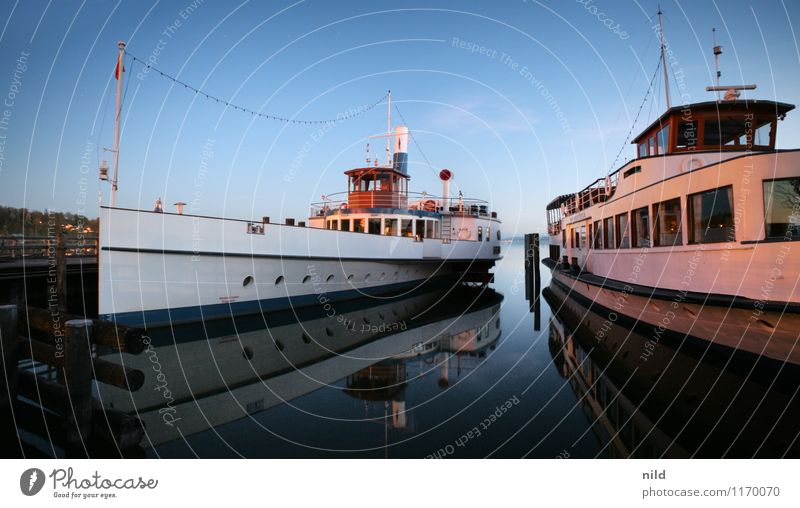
(652, 144)
(623, 231)
(609, 241)
(725, 130)
(663, 140)
(711, 216)
(598, 235)
(640, 227)
(667, 223)
(687, 134)
(762, 134)
(643, 150)
(781, 207)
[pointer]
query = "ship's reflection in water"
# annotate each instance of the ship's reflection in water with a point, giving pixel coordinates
(458, 373)
(647, 397)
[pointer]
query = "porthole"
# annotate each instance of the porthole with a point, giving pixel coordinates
(383, 276)
(247, 281)
(330, 278)
(766, 324)
(279, 280)
(306, 279)
(689, 311)
(394, 277)
(498, 235)
(366, 277)
(350, 277)
(328, 332)
(306, 338)
(279, 345)
(247, 352)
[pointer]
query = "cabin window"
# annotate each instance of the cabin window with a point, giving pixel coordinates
(390, 227)
(640, 227)
(590, 242)
(344, 224)
(576, 241)
(406, 227)
(429, 233)
(711, 216)
(667, 223)
(725, 130)
(608, 233)
(488, 233)
(781, 205)
(564, 238)
(359, 225)
(598, 235)
(663, 140)
(584, 245)
(480, 233)
(687, 134)
(420, 228)
(643, 150)
(623, 231)
(374, 226)
(632, 171)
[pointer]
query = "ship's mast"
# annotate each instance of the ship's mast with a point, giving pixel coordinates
(663, 54)
(717, 52)
(119, 72)
(388, 128)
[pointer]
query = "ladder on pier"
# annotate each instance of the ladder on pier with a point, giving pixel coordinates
(447, 227)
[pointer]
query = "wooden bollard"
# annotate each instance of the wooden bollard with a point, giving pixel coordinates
(77, 376)
(8, 365)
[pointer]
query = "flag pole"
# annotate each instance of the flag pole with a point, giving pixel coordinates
(119, 71)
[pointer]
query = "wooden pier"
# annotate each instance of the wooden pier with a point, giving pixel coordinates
(49, 367)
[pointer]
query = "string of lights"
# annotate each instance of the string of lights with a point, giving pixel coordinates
(350, 114)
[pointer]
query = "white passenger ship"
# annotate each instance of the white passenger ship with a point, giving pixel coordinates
(158, 268)
(695, 235)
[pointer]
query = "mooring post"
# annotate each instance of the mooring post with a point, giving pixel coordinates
(61, 271)
(537, 283)
(528, 267)
(77, 376)
(8, 343)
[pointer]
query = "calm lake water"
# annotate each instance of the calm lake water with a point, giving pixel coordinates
(467, 375)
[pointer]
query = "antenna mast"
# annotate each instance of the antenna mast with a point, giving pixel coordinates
(119, 71)
(717, 52)
(663, 56)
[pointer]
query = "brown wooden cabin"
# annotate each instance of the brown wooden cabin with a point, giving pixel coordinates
(377, 187)
(713, 126)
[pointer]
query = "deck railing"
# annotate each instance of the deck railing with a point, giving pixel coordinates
(416, 201)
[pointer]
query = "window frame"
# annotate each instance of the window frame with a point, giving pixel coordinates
(690, 214)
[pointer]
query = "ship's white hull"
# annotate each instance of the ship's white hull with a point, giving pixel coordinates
(158, 269)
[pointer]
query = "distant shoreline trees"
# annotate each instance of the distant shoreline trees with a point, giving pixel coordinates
(19, 221)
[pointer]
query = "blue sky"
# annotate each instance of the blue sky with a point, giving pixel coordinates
(522, 100)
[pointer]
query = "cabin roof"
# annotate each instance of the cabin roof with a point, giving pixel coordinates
(375, 169)
(763, 106)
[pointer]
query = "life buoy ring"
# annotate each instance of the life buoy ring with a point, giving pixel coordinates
(429, 205)
(343, 206)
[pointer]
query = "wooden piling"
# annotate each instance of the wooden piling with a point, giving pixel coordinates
(528, 267)
(8, 363)
(77, 375)
(537, 283)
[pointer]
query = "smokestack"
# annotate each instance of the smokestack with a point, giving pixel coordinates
(445, 175)
(179, 207)
(400, 160)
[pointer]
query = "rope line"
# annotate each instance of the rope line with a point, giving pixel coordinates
(644, 101)
(352, 113)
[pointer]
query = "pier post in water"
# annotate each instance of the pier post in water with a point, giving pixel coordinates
(77, 376)
(61, 272)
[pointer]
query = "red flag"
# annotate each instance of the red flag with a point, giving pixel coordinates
(117, 72)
